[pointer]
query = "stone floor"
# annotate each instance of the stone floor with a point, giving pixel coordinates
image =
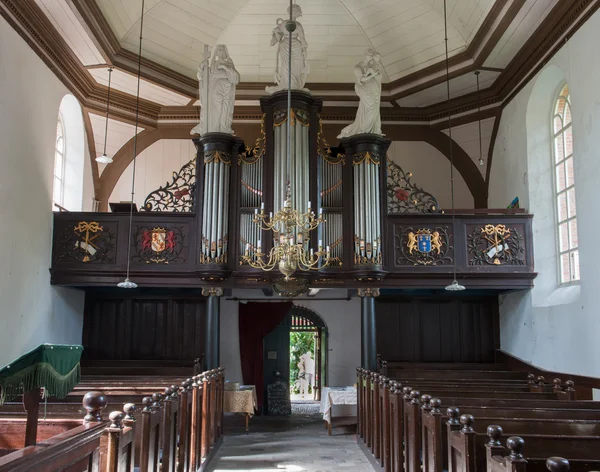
(293, 444)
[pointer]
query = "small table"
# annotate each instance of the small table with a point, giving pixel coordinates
(337, 396)
(241, 401)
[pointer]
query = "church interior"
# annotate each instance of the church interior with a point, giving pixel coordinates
(265, 235)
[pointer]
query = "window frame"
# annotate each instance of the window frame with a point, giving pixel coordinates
(569, 186)
(63, 157)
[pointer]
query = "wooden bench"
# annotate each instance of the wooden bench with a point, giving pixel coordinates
(175, 431)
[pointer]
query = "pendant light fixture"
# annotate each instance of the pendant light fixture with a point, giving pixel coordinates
(128, 283)
(454, 286)
(479, 118)
(104, 158)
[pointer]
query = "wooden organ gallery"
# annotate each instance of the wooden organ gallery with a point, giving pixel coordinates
(380, 230)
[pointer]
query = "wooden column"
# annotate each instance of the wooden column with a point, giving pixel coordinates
(212, 344)
(368, 333)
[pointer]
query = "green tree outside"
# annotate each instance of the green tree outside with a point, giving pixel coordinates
(301, 342)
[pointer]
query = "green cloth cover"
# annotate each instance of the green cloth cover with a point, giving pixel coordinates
(52, 366)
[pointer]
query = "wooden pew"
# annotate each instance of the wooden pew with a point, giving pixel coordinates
(174, 432)
(467, 449)
(384, 440)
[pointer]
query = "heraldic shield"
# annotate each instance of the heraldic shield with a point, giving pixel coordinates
(424, 242)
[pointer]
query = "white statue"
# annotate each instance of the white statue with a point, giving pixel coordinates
(299, 65)
(368, 88)
(217, 92)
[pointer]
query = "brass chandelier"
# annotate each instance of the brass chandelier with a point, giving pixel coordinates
(290, 227)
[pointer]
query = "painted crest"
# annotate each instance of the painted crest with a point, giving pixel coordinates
(424, 241)
(158, 240)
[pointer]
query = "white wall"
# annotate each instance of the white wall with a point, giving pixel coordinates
(431, 172)
(554, 327)
(154, 168)
(31, 311)
(343, 325)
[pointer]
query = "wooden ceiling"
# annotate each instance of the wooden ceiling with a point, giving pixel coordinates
(505, 39)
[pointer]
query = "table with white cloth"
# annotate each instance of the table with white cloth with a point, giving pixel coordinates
(337, 396)
(242, 400)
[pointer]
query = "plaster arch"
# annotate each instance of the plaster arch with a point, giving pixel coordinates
(71, 114)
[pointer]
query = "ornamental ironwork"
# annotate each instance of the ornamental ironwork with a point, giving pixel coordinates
(158, 245)
(403, 196)
(423, 246)
(496, 245)
(87, 242)
(177, 196)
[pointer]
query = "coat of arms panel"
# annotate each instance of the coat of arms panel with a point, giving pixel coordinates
(496, 244)
(429, 245)
(160, 245)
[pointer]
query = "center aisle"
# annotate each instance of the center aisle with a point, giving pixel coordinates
(294, 444)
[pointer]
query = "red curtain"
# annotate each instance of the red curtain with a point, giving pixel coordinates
(256, 320)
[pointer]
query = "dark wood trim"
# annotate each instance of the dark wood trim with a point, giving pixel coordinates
(91, 142)
(583, 384)
(488, 169)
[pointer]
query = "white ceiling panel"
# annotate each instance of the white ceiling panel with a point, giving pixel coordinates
(127, 83)
(461, 85)
(71, 30)
(519, 31)
(409, 34)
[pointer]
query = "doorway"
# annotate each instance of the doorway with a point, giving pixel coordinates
(308, 360)
(282, 355)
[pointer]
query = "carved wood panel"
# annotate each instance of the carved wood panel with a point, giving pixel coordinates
(86, 242)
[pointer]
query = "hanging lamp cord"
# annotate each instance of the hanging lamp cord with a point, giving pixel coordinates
(110, 69)
(449, 118)
(137, 115)
(289, 107)
(479, 119)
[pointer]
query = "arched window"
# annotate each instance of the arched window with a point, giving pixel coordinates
(564, 178)
(58, 191)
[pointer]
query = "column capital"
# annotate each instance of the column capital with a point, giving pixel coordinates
(212, 291)
(368, 292)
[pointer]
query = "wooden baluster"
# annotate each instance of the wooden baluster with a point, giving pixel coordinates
(129, 421)
(385, 417)
(369, 408)
(558, 464)
(185, 415)
(557, 385)
(359, 408)
(531, 382)
(115, 433)
(146, 452)
(205, 416)
(376, 418)
(432, 447)
(515, 462)
(494, 446)
(571, 394)
(196, 429)
(413, 432)
(397, 429)
(452, 425)
(169, 437)
(213, 408)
